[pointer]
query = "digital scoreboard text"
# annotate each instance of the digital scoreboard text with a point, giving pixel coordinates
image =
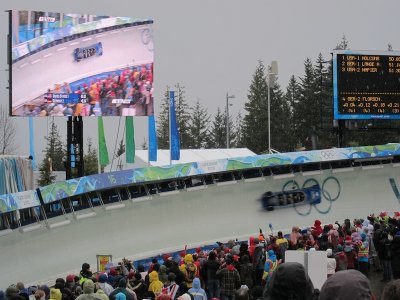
(367, 85)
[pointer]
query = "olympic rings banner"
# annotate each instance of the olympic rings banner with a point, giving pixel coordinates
(73, 187)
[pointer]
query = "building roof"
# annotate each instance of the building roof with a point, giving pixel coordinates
(193, 155)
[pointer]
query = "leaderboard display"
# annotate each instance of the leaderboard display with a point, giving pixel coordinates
(366, 84)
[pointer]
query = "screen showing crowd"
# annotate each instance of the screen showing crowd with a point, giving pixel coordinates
(80, 65)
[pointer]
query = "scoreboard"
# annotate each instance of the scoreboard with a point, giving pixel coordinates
(366, 84)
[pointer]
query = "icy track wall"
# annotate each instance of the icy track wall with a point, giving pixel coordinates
(164, 224)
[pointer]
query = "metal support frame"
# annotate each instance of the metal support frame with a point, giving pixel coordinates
(74, 160)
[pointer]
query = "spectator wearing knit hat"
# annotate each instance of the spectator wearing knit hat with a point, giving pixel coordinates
(209, 273)
(363, 255)
(331, 262)
(104, 285)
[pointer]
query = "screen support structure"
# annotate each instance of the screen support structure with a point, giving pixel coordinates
(74, 162)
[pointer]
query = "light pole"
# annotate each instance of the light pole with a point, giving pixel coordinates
(272, 71)
(227, 118)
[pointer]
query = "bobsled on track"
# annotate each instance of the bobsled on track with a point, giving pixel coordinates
(309, 195)
(86, 52)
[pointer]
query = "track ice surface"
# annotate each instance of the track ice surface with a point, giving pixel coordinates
(195, 218)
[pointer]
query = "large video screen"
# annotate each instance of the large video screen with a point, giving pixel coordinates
(80, 65)
(366, 84)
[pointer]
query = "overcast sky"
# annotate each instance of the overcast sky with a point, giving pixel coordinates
(212, 47)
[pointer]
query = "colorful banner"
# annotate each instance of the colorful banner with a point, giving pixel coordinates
(73, 187)
(130, 140)
(152, 139)
(102, 261)
(103, 152)
(174, 146)
(12, 202)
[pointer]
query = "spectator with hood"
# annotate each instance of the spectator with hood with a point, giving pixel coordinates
(316, 229)
(189, 269)
(289, 281)
(346, 285)
(121, 289)
(155, 286)
(55, 294)
(271, 263)
(196, 291)
(88, 291)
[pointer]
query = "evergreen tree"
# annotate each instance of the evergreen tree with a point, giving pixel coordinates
(217, 139)
(239, 131)
(306, 111)
(198, 128)
(182, 119)
(324, 86)
(55, 149)
(163, 122)
(46, 173)
(90, 159)
(255, 123)
(182, 116)
(343, 45)
(281, 127)
(121, 149)
(292, 94)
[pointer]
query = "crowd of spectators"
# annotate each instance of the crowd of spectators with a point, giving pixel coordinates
(255, 269)
(124, 92)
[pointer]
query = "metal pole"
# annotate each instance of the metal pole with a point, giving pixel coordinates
(227, 121)
(269, 111)
(169, 126)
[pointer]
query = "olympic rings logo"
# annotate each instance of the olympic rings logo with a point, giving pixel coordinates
(293, 184)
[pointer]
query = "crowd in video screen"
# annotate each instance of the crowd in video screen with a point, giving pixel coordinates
(125, 92)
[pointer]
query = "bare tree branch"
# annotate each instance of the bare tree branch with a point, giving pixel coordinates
(8, 132)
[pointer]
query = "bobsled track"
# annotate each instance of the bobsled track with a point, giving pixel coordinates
(167, 223)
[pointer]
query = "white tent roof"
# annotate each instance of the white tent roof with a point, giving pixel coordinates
(194, 155)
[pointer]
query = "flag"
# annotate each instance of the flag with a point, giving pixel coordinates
(130, 140)
(103, 152)
(174, 146)
(152, 139)
(32, 144)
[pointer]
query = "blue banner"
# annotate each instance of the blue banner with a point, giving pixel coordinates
(153, 147)
(32, 144)
(175, 146)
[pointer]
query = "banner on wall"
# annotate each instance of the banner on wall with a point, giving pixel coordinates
(21, 200)
(69, 188)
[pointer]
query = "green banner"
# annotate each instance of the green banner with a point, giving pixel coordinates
(130, 140)
(103, 152)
